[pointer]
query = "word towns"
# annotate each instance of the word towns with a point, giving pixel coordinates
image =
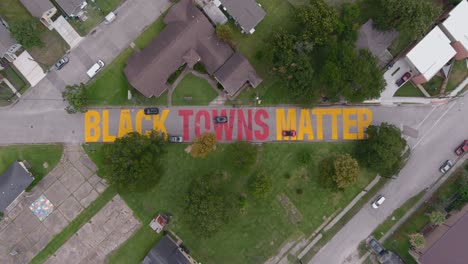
(250, 124)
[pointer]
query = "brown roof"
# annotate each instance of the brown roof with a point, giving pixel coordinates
(188, 34)
(247, 13)
(451, 247)
(37, 7)
(235, 73)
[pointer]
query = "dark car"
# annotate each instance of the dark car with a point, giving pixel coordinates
(462, 148)
(220, 119)
(403, 79)
(176, 139)
(151, 111)
(62, 62)
(289, 133)
(376, 246)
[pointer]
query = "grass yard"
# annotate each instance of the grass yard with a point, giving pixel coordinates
(36, 155)
(193, 90)
(409, 90)
(95, 11)
(150, 33)
(458, 74)
(111, 86)
(6, 95)
(254, 235)
(54, 46)
(433, 86)
(15, 78)
(107, 5)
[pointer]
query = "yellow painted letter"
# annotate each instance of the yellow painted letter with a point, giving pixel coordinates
(139, 119)
(318, 112)
(91, 122)
(305, 126)
(347, 123)
(363, 123)
(125, 123)
(158, 121)
(285, 123)
(105, 127)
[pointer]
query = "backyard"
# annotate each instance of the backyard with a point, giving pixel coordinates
(54, 46)
(95, 11)
(193, 90)
(36, 155)
(259, 231)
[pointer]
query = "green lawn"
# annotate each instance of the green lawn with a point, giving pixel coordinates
(150, 33)
(111, 86)
(107, 5)
(198, 89)
(54, 46)
(251, 237)
(95, 11)
(433, 86)
(458, 74)
(74, 226)
(6, 95)
(15, 79)
(36, 155)
(409, 90)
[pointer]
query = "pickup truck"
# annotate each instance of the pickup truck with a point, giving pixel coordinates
(462, 148)
(403, 79)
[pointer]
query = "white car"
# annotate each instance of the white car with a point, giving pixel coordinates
(446, 166)
(378, 202)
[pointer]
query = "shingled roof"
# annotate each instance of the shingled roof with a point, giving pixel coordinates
(247, 13)
(167, 251)
(12, 183)
(187, 38)
(37, 7)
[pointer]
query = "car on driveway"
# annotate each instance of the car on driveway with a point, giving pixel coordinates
(151, 111)
(403, 79)
(289, 133)
(376, 246)
(446, 166)
(62, 62)
(462, 148)
(176, 139)
(220, 119)
(378, 201)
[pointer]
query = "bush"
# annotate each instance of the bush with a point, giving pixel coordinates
(203, 145)
(299, 191)
(303, 157)
(417, 240)
(262, 185)
(243, 155)
(346, 170)
(199, 67)
(175, 75)
(437, 217)
(77, 98)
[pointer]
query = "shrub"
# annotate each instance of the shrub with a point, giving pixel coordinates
(346, 170)
(299, 191)
(203, 145)
(262, 185)
(303, 157)
(199, 67)
(77, 98)
(417, 240)
(437, 217)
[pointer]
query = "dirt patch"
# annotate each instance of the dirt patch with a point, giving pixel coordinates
(294, 215)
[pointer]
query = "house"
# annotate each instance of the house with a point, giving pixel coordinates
(187, 39)
(246, 13)
(71, 7)
(167, 251)
(211, 10)
(446, 243)
(42, 9)
(430, 55)
(8, 46)
(456, 28)
(13, 182)
(376, 41)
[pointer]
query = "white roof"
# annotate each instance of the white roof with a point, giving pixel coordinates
(431, 53)
(457, 23)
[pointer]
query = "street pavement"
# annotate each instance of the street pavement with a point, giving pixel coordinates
(439, 134)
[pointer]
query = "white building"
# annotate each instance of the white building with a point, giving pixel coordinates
(456, 28)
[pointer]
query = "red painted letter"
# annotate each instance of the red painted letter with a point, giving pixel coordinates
(186, 114)
(241, 125)
(266, 130)
(227, 127)
(206, 116)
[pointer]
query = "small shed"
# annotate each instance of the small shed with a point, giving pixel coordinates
(158, 223)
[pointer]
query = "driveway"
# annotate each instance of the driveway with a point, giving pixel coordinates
(29, 68)
(439, 135)
(67, 32)
(400, 67)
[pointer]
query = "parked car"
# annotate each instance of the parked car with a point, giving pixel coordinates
(289, 133)
(151, 111)
(95, 68)
(462, 148)
(62, 62)
(176, 139)
(378, 202)
(375, 245)
(220, 119)
(403, 79)
(446, 166)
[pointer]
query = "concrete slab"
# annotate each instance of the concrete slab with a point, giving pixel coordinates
(89, 199)
(70, 208)
(88, 163)
(27, 221)
(67, 32)
(29, 68)
(72, 179)
(94, 179)
(100, 187)
(36, 234)
(85, 172)
(57, 193)
(83, 191)
(55, 222)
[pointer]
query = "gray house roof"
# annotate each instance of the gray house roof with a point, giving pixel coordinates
(166, 251)
(6, 41)
(71, 7)
(12, 183)
(247, 13)
(37, 7)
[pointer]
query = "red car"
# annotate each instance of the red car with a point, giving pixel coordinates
(289, 133)
(462, 148)
(403, 79)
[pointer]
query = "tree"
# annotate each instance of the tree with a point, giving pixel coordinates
(135, 162)
(208, 207)
(27, 33)
(319, 21)
(77, 98)
(346, 170)
(262, 185)
(383, 149)
(437, 217)
(417, 240)
(243, 155)
(224, 33)
(203, 145)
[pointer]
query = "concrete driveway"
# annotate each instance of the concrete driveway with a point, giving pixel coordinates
(400, 67)
(29, 68)
(67, 32)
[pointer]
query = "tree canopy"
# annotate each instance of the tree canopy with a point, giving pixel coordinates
(27, 33)
(383, 149)
(346, 170)
(77, 98)
(437, 217)
(203, 145)
(224, 33)
(261, 185)
(319, 21)
(135, 162)
(417, 240)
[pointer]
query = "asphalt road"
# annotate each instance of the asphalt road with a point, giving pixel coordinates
(440, 133)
